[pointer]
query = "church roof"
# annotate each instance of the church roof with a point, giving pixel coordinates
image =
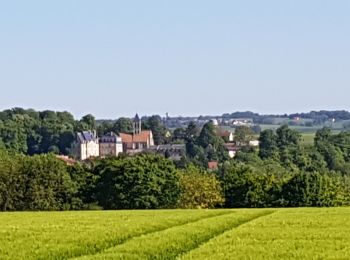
(142, 137)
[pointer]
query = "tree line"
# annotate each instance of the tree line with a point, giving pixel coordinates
(318, 117)
(280, 172)
(144, 181)
(32, 132)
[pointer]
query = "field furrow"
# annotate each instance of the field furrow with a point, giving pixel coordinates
(299, 233)
(61, 235)
(172, 242)
(288, 234)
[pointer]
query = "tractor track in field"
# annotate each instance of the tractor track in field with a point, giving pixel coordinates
(183, 251)
(223, 232)
(123, 241)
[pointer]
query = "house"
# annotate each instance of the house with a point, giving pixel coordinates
(232, 149)
(213, 165)
(86, 145)
(242, 122)
(254, 143)
(110, 145)
(172, 151)
(139, 140)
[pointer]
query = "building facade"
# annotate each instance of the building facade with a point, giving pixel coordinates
(110, 145)
(86, 145)
(139, 140)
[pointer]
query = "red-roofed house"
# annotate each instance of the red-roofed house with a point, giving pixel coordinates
(213, 165)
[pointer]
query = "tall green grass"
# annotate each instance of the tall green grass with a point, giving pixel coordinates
(287, 234)
(59, 235)
(301, 233)
(172, 242)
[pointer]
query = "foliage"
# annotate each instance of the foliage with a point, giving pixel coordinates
(314, 189)
(11, 181)
(154, 123)
(268, 184)
(199, 189)
(268, 145)
(283, 172)
(31, 132)
(40, 182)
(243, 134)
(205, 147)
(247, 186)
(141, 182)
(87, 122)
(122, 125)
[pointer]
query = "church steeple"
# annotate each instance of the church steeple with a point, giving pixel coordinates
(136, 125)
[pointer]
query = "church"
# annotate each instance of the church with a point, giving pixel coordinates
(139, 140)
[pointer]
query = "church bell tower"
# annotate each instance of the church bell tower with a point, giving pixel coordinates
(137, 125)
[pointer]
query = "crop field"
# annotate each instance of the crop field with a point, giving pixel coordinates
(301, 233)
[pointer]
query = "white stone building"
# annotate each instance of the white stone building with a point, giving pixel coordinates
(86, 145)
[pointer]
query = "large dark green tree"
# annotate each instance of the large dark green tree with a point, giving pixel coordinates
(268, 145)
(154, 123)
(39, 182)
(12, 183)
(243, 134)
(123, 125)
(140, 182)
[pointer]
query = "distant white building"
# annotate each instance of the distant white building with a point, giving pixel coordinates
(232, 149)
(242, 122)
(254, 143)
(110, 145)
(215, 122)
(86, 145)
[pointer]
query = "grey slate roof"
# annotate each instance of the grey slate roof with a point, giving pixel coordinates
(86, 136)
(110, 137)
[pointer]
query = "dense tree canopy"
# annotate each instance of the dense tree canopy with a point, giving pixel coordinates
(206, 146)
(140, 182)
(282, 172)
(154, 123)
(199, 189)
(243, 134)
(40, 182)
(31, 132)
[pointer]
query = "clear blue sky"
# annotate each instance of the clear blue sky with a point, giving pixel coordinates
(185, 57)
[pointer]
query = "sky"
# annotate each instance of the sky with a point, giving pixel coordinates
(198, 57)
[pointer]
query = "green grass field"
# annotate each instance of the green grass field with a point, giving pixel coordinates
(309, 233)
